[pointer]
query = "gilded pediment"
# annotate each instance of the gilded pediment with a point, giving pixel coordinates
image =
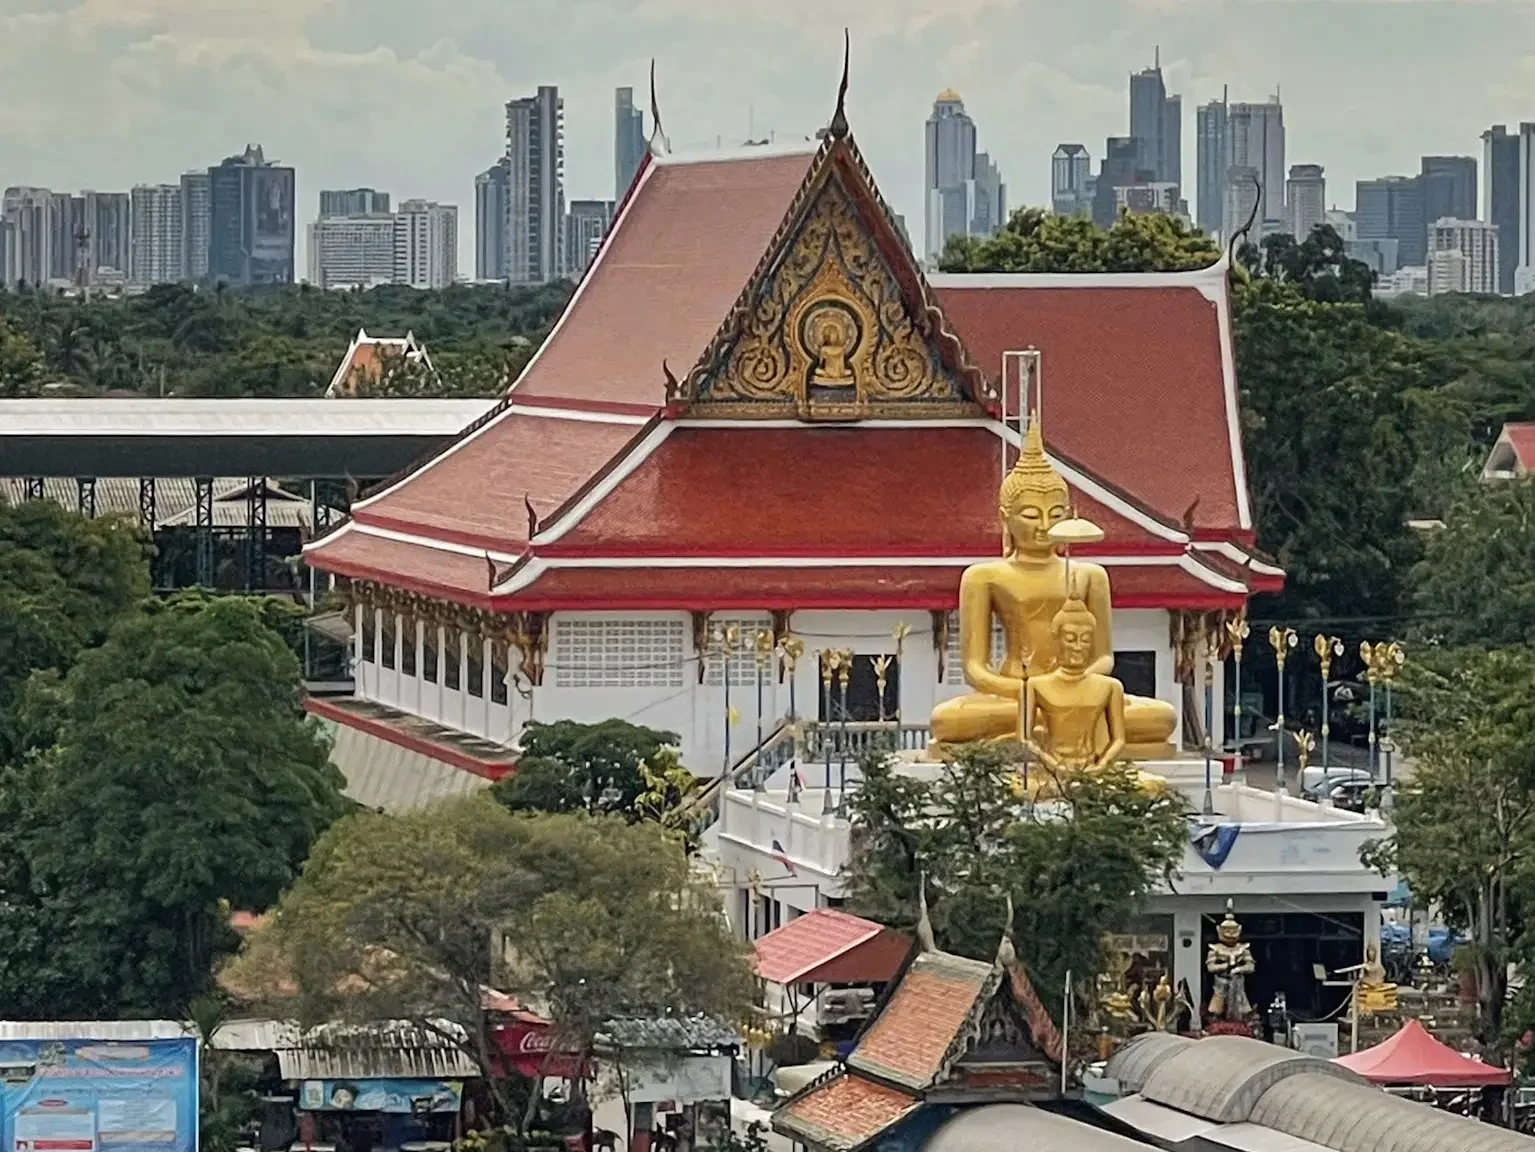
(837, 324)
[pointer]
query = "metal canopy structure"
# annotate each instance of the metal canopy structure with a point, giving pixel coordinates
(296, 439)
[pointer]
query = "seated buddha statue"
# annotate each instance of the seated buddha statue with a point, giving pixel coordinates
(1072, 718)
(1024, 590)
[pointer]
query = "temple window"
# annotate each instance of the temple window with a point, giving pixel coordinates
(954, 664)
(386, 635)
(369, 632)
(429, 654)
(619, 653)
(450, 669)
(742, 662)
(476, 662)
(498, 667)
(408, 648)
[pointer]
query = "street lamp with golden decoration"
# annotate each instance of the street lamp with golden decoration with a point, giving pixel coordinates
(1281, 640)
(1326, 647)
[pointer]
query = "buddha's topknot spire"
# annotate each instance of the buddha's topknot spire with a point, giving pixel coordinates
(1033, 471)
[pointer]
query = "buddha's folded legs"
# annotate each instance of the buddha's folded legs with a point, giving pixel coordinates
(1149, 723)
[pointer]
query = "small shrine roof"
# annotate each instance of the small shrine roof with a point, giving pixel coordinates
(844, 1112)
(684, 245)
(1138, 379)
(909, 1039)
(827, 945)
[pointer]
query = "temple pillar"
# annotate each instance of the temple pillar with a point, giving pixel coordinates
(442, 672)
(418, 638)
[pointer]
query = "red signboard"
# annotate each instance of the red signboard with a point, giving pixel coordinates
(529, 1047)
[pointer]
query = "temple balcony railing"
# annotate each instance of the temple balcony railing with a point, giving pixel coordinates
(851, 739)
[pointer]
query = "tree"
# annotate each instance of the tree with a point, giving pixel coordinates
(64, 580)
(571, 767)
(1076, 870)
(1036, 241)
(182, 778)
(1465, 823)
(1475, 584)
(1319, 266)
(21, 364)
(398, 917)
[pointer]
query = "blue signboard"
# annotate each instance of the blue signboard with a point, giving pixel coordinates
(99, 1096)
(380, 1095)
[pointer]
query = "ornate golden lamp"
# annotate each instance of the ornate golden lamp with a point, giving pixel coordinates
(1237, 631)
(727, 640)
(1325, 647)
(762, 645)
(791, 648)
(1381, 663)
(1281, 640)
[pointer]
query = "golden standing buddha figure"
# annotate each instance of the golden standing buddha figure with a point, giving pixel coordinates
(1025, 590)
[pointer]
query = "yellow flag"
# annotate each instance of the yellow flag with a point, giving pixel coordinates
(732, 716)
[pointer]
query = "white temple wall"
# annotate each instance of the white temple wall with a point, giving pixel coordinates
(645, 668)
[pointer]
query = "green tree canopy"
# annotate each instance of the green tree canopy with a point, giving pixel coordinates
(1464, 828)
(183, 779)
(1076, 871)
(399, 917)
(1036, 241)
(567, 766)
(1475, 583)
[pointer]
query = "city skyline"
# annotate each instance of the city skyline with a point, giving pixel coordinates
(715, 96)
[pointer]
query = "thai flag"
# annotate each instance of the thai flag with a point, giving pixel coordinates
(781, 856)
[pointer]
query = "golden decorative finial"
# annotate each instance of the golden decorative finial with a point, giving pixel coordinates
(763, 643)
(1238, 630)
(792, 648)
(1007, 955)
(1032, 471)
(924, 924)
(839, 127)
(655, 114)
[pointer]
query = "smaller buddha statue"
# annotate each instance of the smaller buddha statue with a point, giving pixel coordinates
(832, 369)
(1073, 718)
(1230, 961)
(1376, 994)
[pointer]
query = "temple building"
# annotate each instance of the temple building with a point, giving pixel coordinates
(739, 483)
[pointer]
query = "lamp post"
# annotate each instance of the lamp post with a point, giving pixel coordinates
(727, 639)
(1212, 649)
(830, 658)
(762, 644)
(1395, 658)
(792, 648)
(902, 630)
(1381, 662)
(844, 672)
(1325, 647)
(1238, 631)
(1281, 640)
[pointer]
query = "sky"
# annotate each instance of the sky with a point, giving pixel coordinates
(407, 95)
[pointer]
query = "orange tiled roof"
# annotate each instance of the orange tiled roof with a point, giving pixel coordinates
(916, 1030)
(845, 1112)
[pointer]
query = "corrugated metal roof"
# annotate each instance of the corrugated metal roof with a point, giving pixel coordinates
(175, 500)
(1133, 1064)
(670, 1032)
(1020, 1128)
(99, 416)
(1221, 1078)
(380, 774)
(257, 1036)
(1155, 1120)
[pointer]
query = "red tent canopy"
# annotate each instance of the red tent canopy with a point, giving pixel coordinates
(1413, 1056)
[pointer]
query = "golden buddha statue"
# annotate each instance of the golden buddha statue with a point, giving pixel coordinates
(1025, 589)
(832, 369)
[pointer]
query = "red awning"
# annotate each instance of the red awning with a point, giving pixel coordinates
(825, 946)
(1413, 1056)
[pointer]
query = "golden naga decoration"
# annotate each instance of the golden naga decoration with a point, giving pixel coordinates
(1026, 589)
(1229, 962)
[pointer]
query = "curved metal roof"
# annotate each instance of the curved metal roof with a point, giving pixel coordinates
(1221, 1078)
(1133, 1064)
(1020, 1128)
(176, 416)
(1351, 1117)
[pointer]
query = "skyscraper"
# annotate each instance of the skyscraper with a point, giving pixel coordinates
(1500, 199)
(490, 209)
(196, 224)
(965, 192)
(251, 229)
(1120, 169)
(1524, 272)
(584, 229)
(1449, 187)
(67, 227)
(1305, 199)
(155, 255)
(352, 251)
(29, 240)
(1462, 256)
(535, 216)
(426, 244)
(1210, 162)
(1391, 208)
(1255, 141)
(353, 202)
(628, 141)
(1156, 122)
(107, 216)
(1071, 170)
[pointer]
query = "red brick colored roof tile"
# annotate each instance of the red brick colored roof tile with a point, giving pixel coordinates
(463, 579)
(676, 260)
(915, 1030)
(844, 1113)
(474, 493)
(774, 491)
(1521, 437)
(1134, 384)
(801, 950)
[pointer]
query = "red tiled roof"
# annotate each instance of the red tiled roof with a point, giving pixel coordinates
(671, 268)
(844, 1113)
(474, 493)
(1134, 387)
(1521, 437)
(914, 1031)
(416, 567)
(801, 950)
(774, 491)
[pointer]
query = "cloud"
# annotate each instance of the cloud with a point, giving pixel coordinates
(407, 95)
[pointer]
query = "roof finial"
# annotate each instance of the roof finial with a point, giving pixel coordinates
(1007, 955)
(656, 133)
(839, 117)
(924, 925)
(1243, 234)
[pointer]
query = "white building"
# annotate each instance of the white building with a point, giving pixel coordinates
(535, 187)
(196, 223)
(426, 244)
(1255, 147)
(1463, 256)
(156, 245)
(1342, 223)
(352, 251)
(1305, 199)
(1409, 280)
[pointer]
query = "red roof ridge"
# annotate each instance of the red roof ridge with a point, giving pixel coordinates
(1208, 280)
